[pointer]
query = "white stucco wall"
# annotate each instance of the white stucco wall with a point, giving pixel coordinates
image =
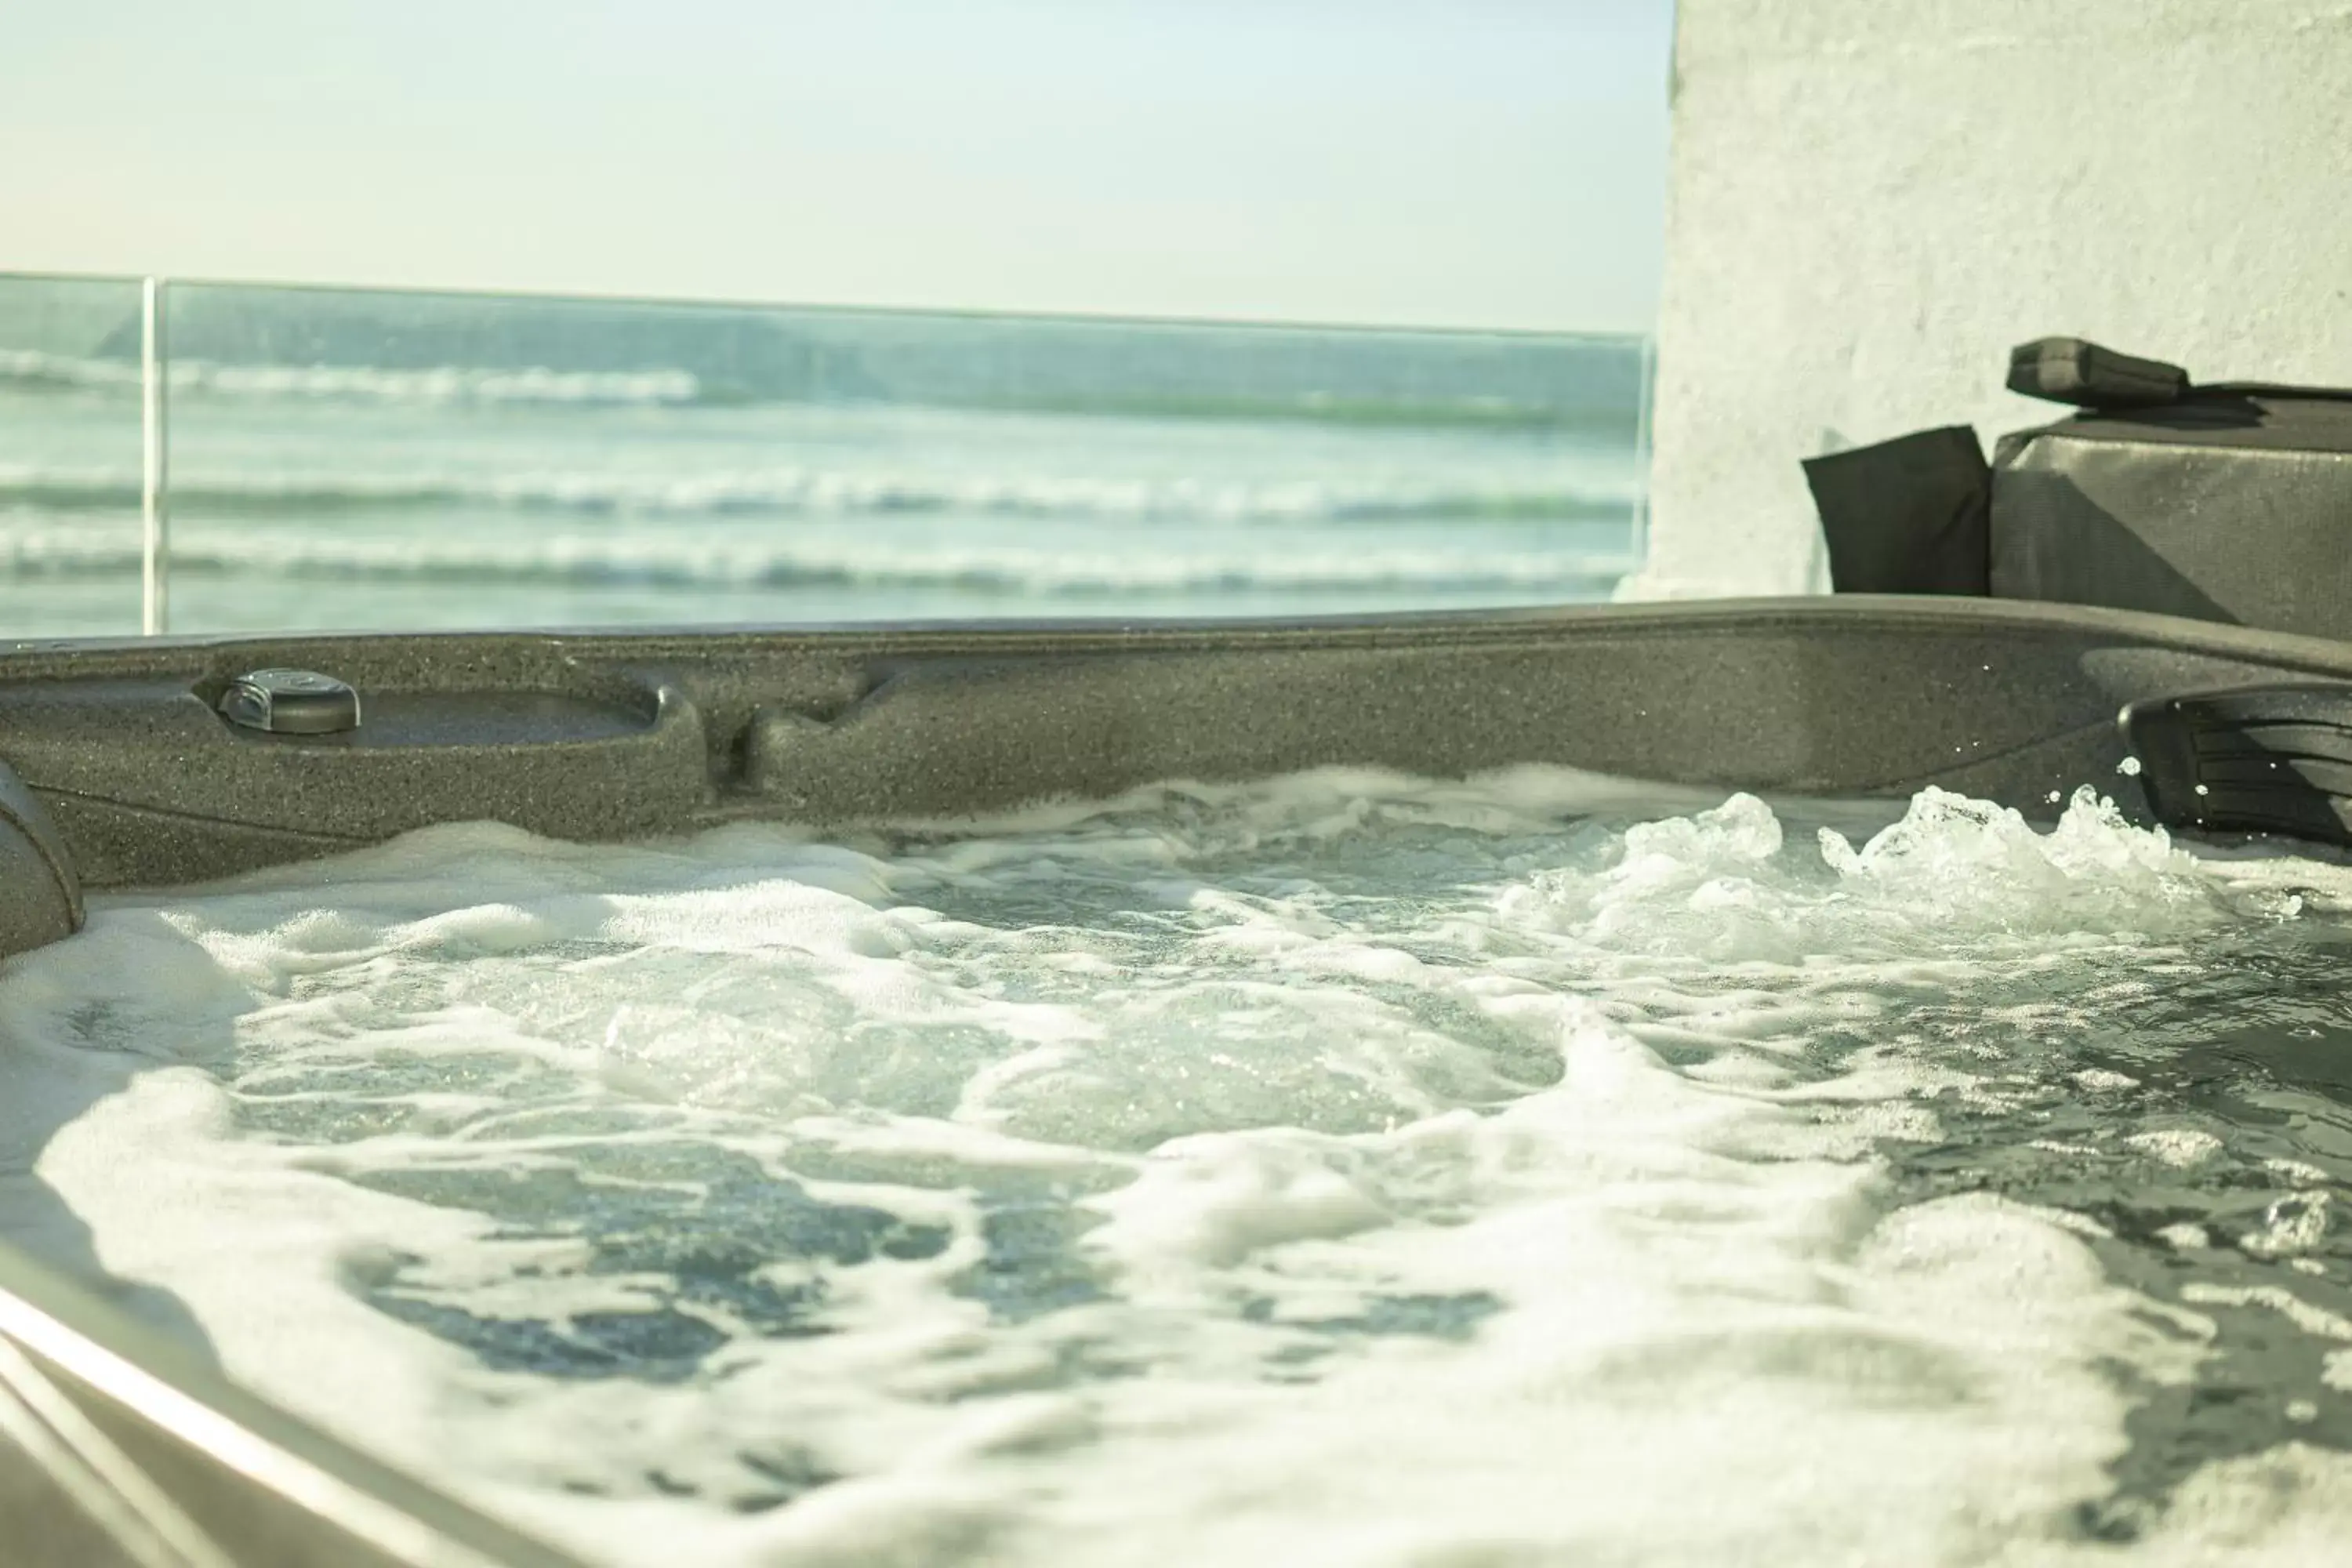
(1869, 200)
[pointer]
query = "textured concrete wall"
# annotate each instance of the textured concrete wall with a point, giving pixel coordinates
(1869, 200)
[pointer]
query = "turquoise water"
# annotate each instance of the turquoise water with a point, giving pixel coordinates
(364, 462)
(1342, 1170)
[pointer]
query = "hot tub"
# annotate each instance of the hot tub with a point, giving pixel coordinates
(123, 776)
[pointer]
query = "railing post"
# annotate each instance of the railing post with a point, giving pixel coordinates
(1641, 450)
(156, 554)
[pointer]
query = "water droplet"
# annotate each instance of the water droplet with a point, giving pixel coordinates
(2128, 767)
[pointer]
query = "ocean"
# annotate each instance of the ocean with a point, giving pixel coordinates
(364, 461)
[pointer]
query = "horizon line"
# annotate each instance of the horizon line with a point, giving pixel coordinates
(719, 302)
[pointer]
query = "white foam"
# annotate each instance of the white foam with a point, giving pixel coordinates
(434, 384)
(1008, 569)
(1417, 1175)
(910, 488)
(2181, 1146)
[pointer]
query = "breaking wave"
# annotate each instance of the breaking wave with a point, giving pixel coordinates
(441, 383)
(796, 490)
(829, 560)
(37, 371)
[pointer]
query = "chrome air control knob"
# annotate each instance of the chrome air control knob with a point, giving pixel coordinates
(291, 702)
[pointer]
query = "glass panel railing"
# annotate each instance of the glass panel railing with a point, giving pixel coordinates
(70, 457)
(361, 460)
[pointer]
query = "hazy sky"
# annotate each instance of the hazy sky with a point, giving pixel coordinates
(1487, 162)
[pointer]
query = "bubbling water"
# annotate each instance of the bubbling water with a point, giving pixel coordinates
(1347, 1170)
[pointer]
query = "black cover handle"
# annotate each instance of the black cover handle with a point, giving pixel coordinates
(2069, 370)
(2251, 759)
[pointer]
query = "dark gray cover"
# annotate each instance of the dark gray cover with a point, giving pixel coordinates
(2234, 504)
